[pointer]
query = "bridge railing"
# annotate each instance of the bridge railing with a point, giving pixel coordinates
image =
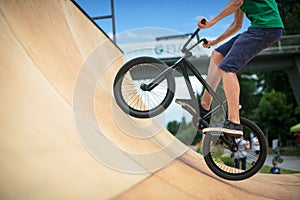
(287, 44)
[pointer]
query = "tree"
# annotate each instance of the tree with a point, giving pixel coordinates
(274, 115)
(289, 11)
(184, 131)
(276, 80)
(173, 127)
(188, 136)
(250, 94)
(279, 81)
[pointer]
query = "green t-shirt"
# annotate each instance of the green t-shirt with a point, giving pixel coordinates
(262, 13)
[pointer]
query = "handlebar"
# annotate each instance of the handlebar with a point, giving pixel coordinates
(203, 21)
(186, 50)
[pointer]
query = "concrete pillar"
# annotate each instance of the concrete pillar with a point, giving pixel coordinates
(294, 77)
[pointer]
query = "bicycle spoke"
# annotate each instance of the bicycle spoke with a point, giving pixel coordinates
(236, 159)
(139, 99)
(131, 97)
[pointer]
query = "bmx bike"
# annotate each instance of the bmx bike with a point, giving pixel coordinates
(144, 88)
(277, 157)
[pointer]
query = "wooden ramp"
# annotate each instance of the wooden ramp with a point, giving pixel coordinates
(62, 136)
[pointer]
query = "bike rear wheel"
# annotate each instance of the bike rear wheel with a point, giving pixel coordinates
(235, 163)
(134, 100)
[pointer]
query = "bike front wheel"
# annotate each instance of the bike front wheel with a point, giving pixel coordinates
(236, 162)
(134, 100)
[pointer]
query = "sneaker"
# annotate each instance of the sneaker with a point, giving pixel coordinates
(203, 111)
(228, 127)
(189, 104)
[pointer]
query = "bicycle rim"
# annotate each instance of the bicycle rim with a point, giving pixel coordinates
(136, 101)
(236, 164)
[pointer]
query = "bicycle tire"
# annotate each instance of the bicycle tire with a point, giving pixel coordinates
(129, 95)
(220, 168)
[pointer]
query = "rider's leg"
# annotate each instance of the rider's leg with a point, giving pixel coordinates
(244, 48)
(213, 74)
(232, 92)
(213, 78)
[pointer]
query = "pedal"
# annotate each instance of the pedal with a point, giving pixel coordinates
(186, 103)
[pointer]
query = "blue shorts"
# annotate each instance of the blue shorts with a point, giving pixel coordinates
(242, 48)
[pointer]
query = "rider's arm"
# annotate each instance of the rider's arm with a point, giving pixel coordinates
(233, 28)
(230, 8)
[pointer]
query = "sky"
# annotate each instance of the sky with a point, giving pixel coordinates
(178, 15)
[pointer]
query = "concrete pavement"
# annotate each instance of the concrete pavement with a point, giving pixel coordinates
(289, 162)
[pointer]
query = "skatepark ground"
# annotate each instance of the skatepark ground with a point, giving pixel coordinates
(63, 137)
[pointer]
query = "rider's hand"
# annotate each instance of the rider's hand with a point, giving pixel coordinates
(209, 44)
(208, 23)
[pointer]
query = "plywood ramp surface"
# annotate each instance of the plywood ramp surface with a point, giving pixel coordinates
(63, 137)
(42, 156)
(189, 178)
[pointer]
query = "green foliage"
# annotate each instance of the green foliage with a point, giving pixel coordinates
(274, 114)
(173, 127)
(220, 157)
(289, 11)
(199, 149)
(227, 160)
(290, 152)
(184, 131)
(249, 94)
(276, 111)
(268, 99)
(278, 81)
(187, 136)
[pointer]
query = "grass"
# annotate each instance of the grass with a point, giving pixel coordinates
(290, 153)
(266, 170)
(287, 152)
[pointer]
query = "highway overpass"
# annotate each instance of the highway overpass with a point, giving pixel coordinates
(283, 56)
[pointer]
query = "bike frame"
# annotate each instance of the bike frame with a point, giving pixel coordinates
(213, 140)
(184, 64)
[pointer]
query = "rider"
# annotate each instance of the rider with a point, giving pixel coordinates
(266, 28)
